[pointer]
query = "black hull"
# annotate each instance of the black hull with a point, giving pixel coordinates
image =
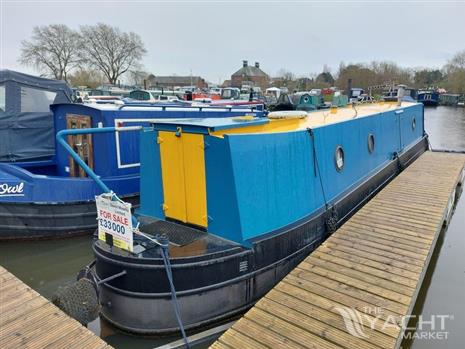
(430, 103)
(214, 287)
(22, 221)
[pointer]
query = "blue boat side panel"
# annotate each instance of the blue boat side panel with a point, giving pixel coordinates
(274, 179)
(411, 125)
(222, 207)
(56, 189)
(263, 166)
(152, 196)
(359, 163)
(261, 183)
(392, 133)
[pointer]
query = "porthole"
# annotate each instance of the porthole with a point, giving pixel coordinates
(414, 124)
(339, 158)
(371, 143)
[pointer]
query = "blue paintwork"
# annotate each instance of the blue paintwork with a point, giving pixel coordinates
(64, 143)
(57, 189)
(261, 183)
(205, 126)
(151, 181)
(270, 181)
(428, 97)
(48, 180)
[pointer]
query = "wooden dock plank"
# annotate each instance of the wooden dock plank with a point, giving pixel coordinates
(360, 260)
(342, 293)
(28, 320)
(375, 261)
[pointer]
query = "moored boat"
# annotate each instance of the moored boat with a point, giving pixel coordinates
(242, 202)
(449, 99)
(428, 97)
(461, 102)
(52, 196)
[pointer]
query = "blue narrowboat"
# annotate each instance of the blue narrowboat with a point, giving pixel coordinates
(242, 202)
(51, 196)
(428, 97)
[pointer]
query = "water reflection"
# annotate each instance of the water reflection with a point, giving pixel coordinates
(442, 291)
(446, 127)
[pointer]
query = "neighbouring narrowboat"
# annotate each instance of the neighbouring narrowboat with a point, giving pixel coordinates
(428, 97)
(50, 195)
(461, 102)
(449, 99)
(242, 202)
(306, 101)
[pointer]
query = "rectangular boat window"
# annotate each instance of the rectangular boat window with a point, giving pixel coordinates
(36, 100)
(2, 99)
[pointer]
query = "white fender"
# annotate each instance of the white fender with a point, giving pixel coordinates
(288, 114)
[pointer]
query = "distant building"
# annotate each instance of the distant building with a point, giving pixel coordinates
(250, 75)
(226, 83)
(170, 82)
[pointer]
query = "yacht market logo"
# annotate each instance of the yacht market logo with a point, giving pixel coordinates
(360, 323)
(12, 189)
(353, 321)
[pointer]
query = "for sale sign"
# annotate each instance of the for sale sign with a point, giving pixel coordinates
(114, 222)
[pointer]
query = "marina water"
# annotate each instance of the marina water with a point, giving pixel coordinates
(46, 265)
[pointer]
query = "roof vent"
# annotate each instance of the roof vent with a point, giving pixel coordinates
(257, 65)
(245, 63)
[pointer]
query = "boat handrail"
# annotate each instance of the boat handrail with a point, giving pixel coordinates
(70, 132)
(162, 241)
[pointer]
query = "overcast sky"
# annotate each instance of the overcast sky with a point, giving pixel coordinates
(211, 38)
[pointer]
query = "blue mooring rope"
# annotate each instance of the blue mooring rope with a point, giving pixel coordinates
(169, 273)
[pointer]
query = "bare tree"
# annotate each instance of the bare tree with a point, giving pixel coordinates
(287, 75)
(455, 73)
(110, 50)
(53, 50)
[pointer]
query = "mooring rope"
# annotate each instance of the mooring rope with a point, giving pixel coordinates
(331, 222)
(316, 167)
(163, 242)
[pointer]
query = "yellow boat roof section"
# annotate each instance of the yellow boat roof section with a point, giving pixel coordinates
(246, 124)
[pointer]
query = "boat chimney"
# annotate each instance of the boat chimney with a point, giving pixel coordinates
(349, 87)
(245, 63)
(400, 94)
(257, 65)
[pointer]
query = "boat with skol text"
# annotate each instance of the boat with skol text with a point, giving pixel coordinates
(43, 192)
(230, 205)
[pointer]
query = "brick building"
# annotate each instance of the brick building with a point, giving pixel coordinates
(250, 75)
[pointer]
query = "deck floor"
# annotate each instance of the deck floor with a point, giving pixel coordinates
(28, 320)
(371, 267)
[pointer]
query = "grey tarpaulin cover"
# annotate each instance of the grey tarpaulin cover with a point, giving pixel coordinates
(26, 123)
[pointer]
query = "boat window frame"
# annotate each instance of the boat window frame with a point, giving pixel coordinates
(339, 168)
(371, 145)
